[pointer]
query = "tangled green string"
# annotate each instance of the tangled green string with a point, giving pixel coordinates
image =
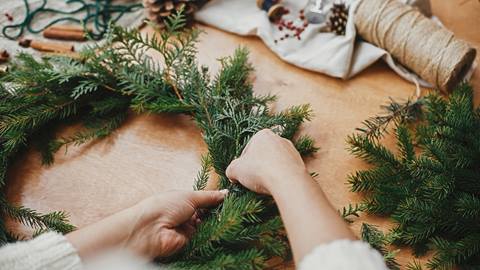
(100, 12)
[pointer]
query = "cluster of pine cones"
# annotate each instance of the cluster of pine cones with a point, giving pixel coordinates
(158, 10)
(337, 20)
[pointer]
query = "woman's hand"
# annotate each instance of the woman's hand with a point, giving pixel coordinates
(158, 226)
(266, 159)
(270, 164)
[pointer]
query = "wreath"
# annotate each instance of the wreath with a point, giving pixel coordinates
(107, 81)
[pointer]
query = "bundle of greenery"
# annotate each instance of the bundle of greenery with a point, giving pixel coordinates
(430, 186)
(112, 80)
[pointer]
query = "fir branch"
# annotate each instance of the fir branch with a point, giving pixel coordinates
(431, 191)
(378, 240)
(352, 210)
(204, 173)
(54, 220)
(305, 145)
(394, 112)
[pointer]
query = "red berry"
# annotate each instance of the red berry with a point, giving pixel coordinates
(9, 17)
(280, 28)
(305, 24)
(302, 17)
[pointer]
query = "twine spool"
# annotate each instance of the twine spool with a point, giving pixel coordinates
(273, 8)
(415, 41)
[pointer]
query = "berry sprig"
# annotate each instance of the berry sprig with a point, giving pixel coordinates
(292, 28)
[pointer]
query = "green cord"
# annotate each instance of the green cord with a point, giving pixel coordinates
(102, 13)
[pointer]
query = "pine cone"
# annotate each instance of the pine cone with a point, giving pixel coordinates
(337, 20)
(158, 10)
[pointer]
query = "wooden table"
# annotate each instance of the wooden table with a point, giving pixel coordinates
(151, 154)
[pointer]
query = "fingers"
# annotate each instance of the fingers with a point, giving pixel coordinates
(187, 229)
(232, 171)
(203, 199)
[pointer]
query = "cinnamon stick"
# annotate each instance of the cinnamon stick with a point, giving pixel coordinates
(64, 34)
(70, 28)
(47, 46)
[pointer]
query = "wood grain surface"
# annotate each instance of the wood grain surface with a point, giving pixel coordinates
(154, 153)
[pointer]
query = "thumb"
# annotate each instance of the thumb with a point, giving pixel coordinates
(232, 170)
(203, 199)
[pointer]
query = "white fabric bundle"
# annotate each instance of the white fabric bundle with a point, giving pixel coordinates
(337, 56)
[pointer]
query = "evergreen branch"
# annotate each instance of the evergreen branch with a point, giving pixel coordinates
(371, 151)
(305, 145)
(204, 173)
(431, 192)
(352, 210)
(398, 113)
(97, 129)
(55, 220)
(377, 239)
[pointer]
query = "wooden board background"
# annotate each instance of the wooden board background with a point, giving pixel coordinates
(154, 153)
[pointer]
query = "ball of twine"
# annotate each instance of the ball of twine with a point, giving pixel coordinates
(415, 41)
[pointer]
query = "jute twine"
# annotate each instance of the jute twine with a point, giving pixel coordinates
(415, 41)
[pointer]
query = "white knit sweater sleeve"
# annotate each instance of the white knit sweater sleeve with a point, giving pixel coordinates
(47, 251)
(343, 255)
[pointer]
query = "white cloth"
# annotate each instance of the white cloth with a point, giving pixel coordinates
(52, 251)
(337, 56)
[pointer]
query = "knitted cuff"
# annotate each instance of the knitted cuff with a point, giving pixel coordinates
(343, 255)
(47, 251)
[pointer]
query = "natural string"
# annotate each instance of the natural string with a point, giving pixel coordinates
(415, 41)
(100, 12)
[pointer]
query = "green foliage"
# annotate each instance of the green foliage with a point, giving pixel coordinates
(430, 186)
(379, 241)
(108, 82)
(352, 211)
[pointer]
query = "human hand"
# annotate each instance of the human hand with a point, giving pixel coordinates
(168, 221)
(158, 226)
(266, 158)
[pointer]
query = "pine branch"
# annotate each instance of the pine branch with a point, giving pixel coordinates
(55, 220)
(378, 241)
(430, 191)
(352, 210)
(395, 112)
(204, 173)
(305, 145)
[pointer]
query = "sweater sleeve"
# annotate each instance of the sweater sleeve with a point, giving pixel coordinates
(343, 255)
(47, 251)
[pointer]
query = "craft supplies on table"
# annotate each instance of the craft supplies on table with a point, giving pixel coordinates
(341, 56)
(57, 13)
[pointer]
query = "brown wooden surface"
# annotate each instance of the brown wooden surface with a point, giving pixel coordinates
(150, 154)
